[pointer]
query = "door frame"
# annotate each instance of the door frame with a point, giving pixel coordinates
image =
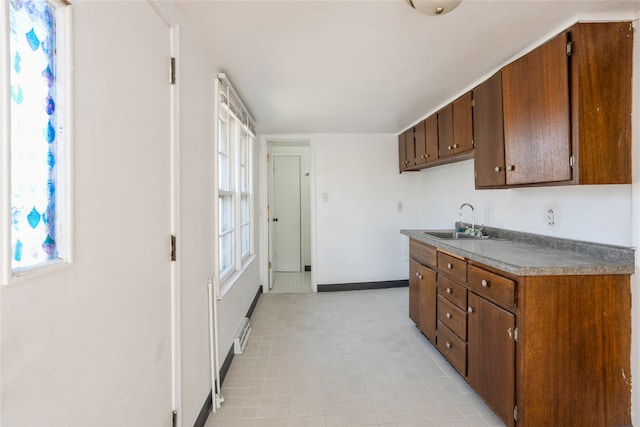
(265, 241)
(167, 14)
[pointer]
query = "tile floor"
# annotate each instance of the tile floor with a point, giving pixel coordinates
(292, 283)
(343, 359)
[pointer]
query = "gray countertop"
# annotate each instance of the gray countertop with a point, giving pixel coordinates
(525, 254)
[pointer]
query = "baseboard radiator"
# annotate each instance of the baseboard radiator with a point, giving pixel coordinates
(242, 336)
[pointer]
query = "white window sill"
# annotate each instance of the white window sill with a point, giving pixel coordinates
(22, 274)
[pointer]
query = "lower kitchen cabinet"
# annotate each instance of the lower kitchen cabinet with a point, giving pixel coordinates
(491, 356)
(422, 297)
(550, 350)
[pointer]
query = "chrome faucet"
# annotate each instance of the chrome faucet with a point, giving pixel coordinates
(473, 217)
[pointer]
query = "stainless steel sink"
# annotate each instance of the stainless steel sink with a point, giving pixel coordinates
(452, 234)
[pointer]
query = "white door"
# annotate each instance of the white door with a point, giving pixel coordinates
(286, 220)
(136, 204)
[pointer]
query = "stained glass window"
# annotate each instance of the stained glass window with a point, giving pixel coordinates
(34, 132)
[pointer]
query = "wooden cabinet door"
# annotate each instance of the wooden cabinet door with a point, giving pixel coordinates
(463, 124)
(431, 137)
(445, 132)
(422, 298)
(420, 144)
(414, 291)
(491, 355)
(428, 302)
(488, 133)
(535, 91)
(410, 148)
(406, 150)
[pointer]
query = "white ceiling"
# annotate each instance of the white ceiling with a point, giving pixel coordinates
(370, 66)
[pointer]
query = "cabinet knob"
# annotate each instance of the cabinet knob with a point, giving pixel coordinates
(449, 147)
(448, 315)
(449, 290)
(497, 169)
(455, 145)
(420, 276)
(469, 309)
(485, 284)
(449, 266)
(449, 345)
(511, 168)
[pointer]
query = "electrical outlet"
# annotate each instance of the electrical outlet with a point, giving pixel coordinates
(551, 218)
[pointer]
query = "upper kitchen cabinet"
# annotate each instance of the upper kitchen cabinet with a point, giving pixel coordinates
(488, 133)
(455, 127)
(406, 150)
(567, 109)
(535, 90)
(426, 139)
(601, 102)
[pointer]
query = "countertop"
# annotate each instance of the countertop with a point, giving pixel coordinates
(525, 254)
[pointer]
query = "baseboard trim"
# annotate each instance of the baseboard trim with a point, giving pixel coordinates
(207, 406)
(363, 286)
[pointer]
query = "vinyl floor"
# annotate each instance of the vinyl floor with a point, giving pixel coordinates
(343, 359)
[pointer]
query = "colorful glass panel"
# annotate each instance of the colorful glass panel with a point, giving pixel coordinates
(32, 44)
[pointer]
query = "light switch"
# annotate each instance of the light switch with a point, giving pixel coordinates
(325, 197)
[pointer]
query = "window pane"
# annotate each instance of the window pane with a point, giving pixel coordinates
(225, 206)
(223, 157)
(245, 240)
(244, 210)
(226, 214)
(226, 253)
(33, 132)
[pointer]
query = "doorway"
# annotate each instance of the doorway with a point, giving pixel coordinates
(289, 207)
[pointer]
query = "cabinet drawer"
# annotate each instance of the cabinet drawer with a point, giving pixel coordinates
(453, 267)
(453, 317)
(452, 348)
(453, 291)
(422, 253)
(493, 286)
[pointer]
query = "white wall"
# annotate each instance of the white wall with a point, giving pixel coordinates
(64, 357)
(591, 213)
(197, 248)
(91, 344)
(195, 236)
(358, 229)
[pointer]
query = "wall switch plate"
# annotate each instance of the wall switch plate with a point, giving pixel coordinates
(325, 197)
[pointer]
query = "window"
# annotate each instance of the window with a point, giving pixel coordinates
(236, 138)
(35, 144)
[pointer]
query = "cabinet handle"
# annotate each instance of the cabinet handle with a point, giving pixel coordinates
(449, 290)
(485, 284)
(449, 266)
(448, 315)
(449, 345)
(469, 309)
(497, 169)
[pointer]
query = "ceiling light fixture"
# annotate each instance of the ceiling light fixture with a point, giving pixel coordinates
(434, 7)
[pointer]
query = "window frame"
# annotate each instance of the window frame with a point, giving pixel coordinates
(241, 144)
(64, 161)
